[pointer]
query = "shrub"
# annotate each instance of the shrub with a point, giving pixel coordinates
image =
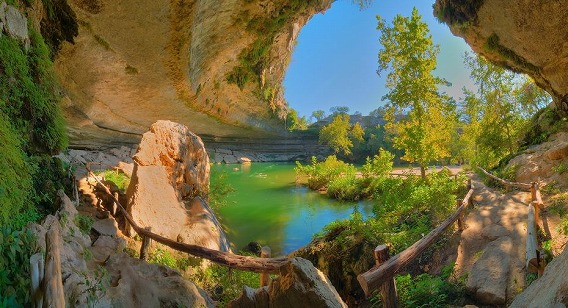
(120, 179)
(320, 174)
(16, 248)
(426, 290)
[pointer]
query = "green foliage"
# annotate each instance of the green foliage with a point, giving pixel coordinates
(496, 116)
(560, 168)
(254, 59)
(163, 257)
(219, 189)
(166, 258)
(320, 174)
(542, 124)
(223, 283)
(96, 286)
(84, 223)
(16, 248)
(426, 290)
(340, 135)
(420, 119)
(294, 122)
(120, 179)
(318, 115)
(457, 11)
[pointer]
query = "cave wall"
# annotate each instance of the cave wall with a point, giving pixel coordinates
(136, 61)
(525, 36)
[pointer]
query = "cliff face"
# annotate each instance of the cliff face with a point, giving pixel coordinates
(526, 36)
(215, 66)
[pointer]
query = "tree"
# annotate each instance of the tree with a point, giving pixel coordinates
(339, 135)
(295, 122)
(494, 116)
(318, 115)
(339, 109)
(420, 118)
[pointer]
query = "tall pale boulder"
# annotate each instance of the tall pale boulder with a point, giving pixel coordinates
(181, 153)
(170, 176)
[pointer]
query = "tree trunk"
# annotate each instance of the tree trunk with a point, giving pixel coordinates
(423, 172)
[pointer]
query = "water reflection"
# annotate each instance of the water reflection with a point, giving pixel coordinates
(269, 208)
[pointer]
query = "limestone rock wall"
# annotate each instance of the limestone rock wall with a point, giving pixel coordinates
(526, 36)
(138, 61)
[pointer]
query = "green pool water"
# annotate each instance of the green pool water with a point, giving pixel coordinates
(268, 207)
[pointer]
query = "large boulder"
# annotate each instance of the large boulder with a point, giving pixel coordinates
(550, 290)
(181, 153)
(102, 275)
(171, 173)
(300, 284)
(487, 282)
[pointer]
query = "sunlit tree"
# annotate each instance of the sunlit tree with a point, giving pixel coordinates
(339, 135)
(421, 119)
(318, 115)
(496, 114)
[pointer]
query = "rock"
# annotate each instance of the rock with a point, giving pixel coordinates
(550, 290)
(230, 159)
(341, 264)
(171, 171)
(106, 226)
(559, 151)
(493, 232)
(126, 168)
(300, 284)
(244, 160)
(488, 279)
(152, 201)
(181, 152)
(14, 23)
(133, 283)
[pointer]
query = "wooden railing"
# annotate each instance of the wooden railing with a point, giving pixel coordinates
(507, 184)
(534, 260)
(381, 276)
(245, 263)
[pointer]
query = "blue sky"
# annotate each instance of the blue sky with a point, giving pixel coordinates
(335, 59)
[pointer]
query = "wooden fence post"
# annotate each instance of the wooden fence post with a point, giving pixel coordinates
(265, 276)
(145, 244)
(533, 191)
(37, 268)
(460, 217)
(388, 289)
(53, 293)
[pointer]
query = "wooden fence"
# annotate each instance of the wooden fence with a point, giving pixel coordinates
(381, 276)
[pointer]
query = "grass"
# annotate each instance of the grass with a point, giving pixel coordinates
(120, 179)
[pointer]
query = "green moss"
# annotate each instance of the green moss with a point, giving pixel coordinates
(31, 125)
(521, 64)
(254, 59)
(59, 24)
(457, 12)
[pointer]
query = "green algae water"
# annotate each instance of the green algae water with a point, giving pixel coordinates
(269, 208)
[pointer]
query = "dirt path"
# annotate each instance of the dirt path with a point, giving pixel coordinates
(492, 247)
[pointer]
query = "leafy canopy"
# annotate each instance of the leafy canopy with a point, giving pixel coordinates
(421, 119)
